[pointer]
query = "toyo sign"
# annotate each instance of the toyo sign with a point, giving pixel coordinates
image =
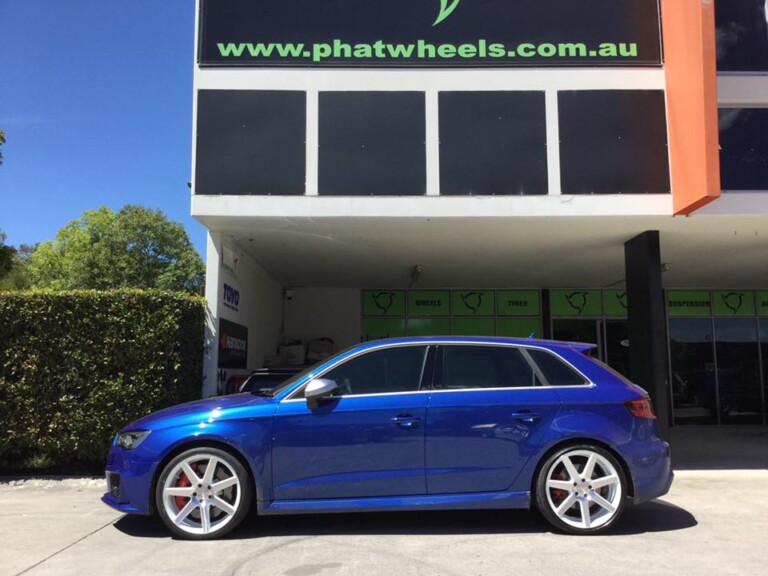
(429, 33)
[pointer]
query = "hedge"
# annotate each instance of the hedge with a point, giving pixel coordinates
(76, 366)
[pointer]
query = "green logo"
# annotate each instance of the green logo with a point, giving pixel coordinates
(733, 301)
(446, 9)
(473, 300)
(577, 300)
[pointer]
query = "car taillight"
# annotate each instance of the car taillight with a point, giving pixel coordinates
(641, 408)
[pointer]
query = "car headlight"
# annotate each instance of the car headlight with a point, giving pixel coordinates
(132, 439)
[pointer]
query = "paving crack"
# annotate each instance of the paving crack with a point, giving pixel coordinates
(67, 547)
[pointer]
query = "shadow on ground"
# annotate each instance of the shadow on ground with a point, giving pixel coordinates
(656, 516)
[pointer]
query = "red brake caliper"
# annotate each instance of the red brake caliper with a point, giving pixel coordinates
(557, 494)
(183, 482)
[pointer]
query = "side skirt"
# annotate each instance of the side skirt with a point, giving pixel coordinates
(473, 501)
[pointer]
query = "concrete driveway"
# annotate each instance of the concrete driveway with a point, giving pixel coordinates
(712, 522)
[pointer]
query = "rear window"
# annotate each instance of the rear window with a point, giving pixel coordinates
(555, 370)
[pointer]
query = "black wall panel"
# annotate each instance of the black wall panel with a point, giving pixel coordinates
(493, 143)
(251, 142)
(372, 144)
(613, 142)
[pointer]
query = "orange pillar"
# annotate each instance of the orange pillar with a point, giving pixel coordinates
(688, 28)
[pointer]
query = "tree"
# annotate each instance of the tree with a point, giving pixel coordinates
(133, 248)
(7, 254)
(13, 266)
(2, 141)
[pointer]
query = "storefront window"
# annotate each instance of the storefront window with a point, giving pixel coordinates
(738, 370)
(694, 397)
(742, 35)
(744, 148)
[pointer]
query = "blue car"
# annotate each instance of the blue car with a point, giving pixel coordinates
(403, 424)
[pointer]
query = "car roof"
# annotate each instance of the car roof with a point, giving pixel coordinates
(536, 342)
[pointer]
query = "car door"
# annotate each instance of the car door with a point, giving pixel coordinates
(486, 417)
(366, 440)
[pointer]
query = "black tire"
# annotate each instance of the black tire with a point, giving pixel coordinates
(581, 505)
(204, 512)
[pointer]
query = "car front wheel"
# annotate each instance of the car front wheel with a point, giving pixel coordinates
(581, 489)
(203, 493)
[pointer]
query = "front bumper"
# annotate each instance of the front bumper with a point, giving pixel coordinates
(129, 482)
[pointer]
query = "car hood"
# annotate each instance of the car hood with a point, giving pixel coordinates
(215, 408)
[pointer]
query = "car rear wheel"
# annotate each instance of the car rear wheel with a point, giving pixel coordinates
(203, 494)
(581, 489)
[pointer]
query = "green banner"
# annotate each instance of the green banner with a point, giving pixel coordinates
(569, 303)
(378, 328)
(474, 327)
(615, 303)
(733, 303)
(518, 327)
(689, 303)
(383, 302)
(429, 327)
(762, 303)
(518, 302)
(429, 303)
(472, 303)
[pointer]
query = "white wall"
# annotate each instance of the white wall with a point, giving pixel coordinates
(323, 312)
(259, 308)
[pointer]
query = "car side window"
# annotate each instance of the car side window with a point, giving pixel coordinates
(470, 367)
(555, 370)
(397, 369)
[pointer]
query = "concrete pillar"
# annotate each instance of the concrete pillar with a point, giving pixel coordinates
(648, 352)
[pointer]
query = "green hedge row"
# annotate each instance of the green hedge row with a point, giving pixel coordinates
(76, 366)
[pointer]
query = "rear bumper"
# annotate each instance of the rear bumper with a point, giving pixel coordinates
(651, 471)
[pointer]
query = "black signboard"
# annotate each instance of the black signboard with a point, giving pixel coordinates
(233, 345)
(430, 33)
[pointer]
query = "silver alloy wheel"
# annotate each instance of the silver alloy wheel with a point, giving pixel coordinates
(201, 494)
(583, 489)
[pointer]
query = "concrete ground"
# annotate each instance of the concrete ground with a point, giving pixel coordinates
(713, 521)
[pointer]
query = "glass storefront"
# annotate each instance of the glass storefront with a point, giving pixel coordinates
(692, 362)
(718, 344)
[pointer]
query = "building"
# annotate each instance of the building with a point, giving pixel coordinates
(566, 168)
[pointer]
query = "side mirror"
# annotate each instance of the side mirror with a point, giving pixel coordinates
(317, 389)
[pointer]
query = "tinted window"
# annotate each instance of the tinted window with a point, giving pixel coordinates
(250, 142)
(485, 367)
(372, 144)
(379, 372)
(744, 148)
(555, 370)
(742, 35)
(613, 142)
(492, 143)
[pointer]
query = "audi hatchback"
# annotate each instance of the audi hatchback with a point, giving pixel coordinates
(403, 424)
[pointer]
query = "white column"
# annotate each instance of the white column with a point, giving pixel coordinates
(212, 297)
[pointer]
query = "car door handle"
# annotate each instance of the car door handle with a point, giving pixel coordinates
(526, 416)
(406, 421)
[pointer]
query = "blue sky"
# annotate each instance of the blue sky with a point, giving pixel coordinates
(96, 105)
